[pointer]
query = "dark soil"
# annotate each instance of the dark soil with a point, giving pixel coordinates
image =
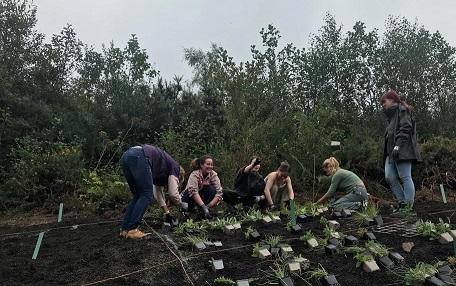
(86, 250)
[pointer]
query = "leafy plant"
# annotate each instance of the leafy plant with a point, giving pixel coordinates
(256, 250)
(318, 273)
(190, 224)
(273, 240)
(193, 239)
(247, 232)
(221, 223)
(252, 215)
(306, 236)
(432, 230)
(370, 211)
(328, 231)
(224, 280)
(419, 273)
(377, 248)
(362, 257)
(353, 249)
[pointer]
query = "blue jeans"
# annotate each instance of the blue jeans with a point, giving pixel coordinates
(207, 194)
(138, 174)
(397, 172)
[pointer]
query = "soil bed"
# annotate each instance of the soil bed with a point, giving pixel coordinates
(87, 250)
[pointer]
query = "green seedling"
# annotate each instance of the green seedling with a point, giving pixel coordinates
(256, 250)
(419, 273)
(361, 257)
(221, 223)
(273, 240)
(193, 239)
(248, 231)
(370, 211)
(378, 249)
(224, 280)
(307, 236)
(252, 215)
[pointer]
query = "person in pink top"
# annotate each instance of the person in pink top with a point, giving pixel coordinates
(203, 186)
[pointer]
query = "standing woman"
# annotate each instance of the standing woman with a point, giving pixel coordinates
(144, 168)
(278, 187)
(400, 148)
(203, 186)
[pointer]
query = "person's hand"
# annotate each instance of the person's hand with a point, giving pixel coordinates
(206, 213)
(184, 205)
(256, 162)
(272, 207)
(395, 152)
(169, 218)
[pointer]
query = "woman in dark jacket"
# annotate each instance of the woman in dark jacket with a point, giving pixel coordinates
(400, 148)
(248, 185)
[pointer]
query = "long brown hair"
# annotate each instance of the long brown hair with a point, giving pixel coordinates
(393, 95)
(197, 162)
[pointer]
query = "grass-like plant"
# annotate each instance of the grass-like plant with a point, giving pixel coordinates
(273, 240)
(279, 270)
(377, 248)
(193, 238)
(308, 235)
(220, 223)
(328, 231)
(451, 260)
(370, 211)
(224, 280)
(252, 215)
(190, 224)
(317, 273)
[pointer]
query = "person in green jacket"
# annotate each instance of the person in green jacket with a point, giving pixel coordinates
(344, 181)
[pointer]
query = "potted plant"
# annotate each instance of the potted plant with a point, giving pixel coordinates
(419, 273)
(367, 260)
(320, 275)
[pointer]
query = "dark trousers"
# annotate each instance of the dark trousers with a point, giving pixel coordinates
(207, 194)
(138, 174)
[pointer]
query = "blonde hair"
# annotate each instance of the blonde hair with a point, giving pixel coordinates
(331, 164)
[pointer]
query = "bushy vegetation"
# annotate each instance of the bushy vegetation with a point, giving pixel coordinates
(68, 111)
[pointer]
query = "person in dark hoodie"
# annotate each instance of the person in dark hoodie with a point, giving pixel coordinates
(400, 149)
(248, 185)
(147, 170)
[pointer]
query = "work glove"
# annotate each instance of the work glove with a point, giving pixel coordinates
(257, 199)
(256, 162)
(184, 206)
(206, 213)
(169, 218)
(272, 207)
(395, 152)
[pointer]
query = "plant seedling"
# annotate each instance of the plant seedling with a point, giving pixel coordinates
(224, 280)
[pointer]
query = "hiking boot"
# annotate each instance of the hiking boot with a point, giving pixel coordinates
(136, 234)
(123, 233)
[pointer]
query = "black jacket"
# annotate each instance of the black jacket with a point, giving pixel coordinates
(401, 131)
(247, 185)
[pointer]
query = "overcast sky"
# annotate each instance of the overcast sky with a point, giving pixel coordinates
(165, 27)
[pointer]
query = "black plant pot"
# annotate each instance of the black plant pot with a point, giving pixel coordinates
(433, 281)
(336, 215)
(445, 269)
(296, 228)
(378, 220)
(350, 240)
(329, 280)
(275, 251)
(334, 241)
(266, 246)
(330, 249)
(396, 257)
(446, 278)
(286, 281)
(369, 236)
(254, 235)
(368, 221)
(302, 218)
(385, 262)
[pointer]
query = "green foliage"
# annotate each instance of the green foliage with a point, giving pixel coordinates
(256, 249)
(370, 211)
(362, 257)
(306, 236)
(376, 248)
(101, 193)
(193, 239)
(432, 230)
(224, 280)
(317, 273)
(42, 173)
(273, 240)
(419, 273)
(248, 231)
(220, 223)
